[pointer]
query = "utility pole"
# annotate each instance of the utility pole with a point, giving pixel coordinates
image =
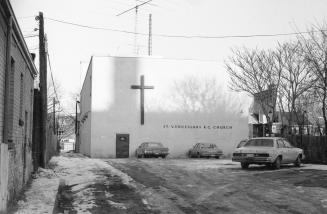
(77, 138)
(76, 118)
(43, 87)
(150, 36)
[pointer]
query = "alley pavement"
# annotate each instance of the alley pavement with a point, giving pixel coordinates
(77, 184)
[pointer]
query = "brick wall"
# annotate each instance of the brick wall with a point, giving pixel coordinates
(19, 119)
(20, 156)
(3, 37)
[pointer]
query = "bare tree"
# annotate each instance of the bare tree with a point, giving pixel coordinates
(66, 126)
(257, 73)
(199, 95)
(296, 80)
(314, 47)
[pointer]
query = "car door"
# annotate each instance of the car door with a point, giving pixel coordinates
(291, 151)
(283, 150)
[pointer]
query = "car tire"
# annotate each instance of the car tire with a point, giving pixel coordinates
(297, 162)
(277, 163)
(217, 157)
(163, 156)
(245, 165)
(190, 155)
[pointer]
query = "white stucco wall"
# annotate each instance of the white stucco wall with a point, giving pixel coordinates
(85, 113)
(116, 107)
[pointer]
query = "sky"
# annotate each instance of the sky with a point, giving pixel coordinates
(71, 47)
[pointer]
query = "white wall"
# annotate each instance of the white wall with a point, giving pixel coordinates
(116, 107)
(85, 113)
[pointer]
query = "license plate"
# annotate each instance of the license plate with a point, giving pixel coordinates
(250, 155)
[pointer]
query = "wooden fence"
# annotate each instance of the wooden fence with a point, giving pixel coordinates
(315, 147)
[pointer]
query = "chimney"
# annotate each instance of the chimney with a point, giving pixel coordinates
(33, 56)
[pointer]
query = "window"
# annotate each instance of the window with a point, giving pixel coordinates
(287, 144)
(21, 99)
(260, 142)
(280, 144)
(153, 145)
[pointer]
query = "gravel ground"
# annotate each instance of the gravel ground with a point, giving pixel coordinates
(174, 186)
(221, 186)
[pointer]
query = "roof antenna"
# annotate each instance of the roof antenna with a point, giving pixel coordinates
(136, 46)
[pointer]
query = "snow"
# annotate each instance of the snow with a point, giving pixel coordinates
(80, 172)
(314, 166)
(41, 196)
(73, 170)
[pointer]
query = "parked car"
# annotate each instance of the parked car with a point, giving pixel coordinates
(151, 149)
(205, 150)
(272, 151)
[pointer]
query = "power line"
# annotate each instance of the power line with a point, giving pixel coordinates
(54, 87)
(25, 17)
(136, 7)
(31, 35)
(183, 36)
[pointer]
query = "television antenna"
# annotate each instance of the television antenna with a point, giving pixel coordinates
(136, 7)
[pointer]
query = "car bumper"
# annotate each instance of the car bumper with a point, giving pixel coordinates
(253, 159)
(211, 154)
(156, 153)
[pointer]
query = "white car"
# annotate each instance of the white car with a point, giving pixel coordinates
(268, 150)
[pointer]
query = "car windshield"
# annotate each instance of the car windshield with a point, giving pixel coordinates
(155, 145)
(260, 142)
(211, 146)
(241, 144)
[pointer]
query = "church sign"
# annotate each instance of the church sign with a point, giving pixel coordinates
(197, 127)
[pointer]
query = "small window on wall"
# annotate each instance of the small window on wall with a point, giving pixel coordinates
(21, 100)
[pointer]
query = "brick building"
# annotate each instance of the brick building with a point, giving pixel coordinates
(17, 73)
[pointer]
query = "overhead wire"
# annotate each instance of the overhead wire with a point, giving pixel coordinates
(52, 79)
(182, 36)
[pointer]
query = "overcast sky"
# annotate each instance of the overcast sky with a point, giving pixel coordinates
(70, 47)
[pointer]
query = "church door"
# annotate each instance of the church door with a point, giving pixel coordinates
(122, 145)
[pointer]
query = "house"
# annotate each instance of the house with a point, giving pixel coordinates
(17, 73)
(125, 101)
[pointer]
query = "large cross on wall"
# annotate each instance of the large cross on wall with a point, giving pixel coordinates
(142, 87)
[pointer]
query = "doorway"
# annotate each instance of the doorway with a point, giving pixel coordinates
(122, 145)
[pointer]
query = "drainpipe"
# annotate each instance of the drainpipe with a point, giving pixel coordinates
(7, 110)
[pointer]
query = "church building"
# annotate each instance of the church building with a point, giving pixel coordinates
(125, 101)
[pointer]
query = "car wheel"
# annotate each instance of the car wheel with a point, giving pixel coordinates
(277, 163)
(217, 157)
(245, 165)
(163, 156)
(297, 162)
(190, 155)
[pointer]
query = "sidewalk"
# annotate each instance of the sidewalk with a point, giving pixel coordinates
(77, 184)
